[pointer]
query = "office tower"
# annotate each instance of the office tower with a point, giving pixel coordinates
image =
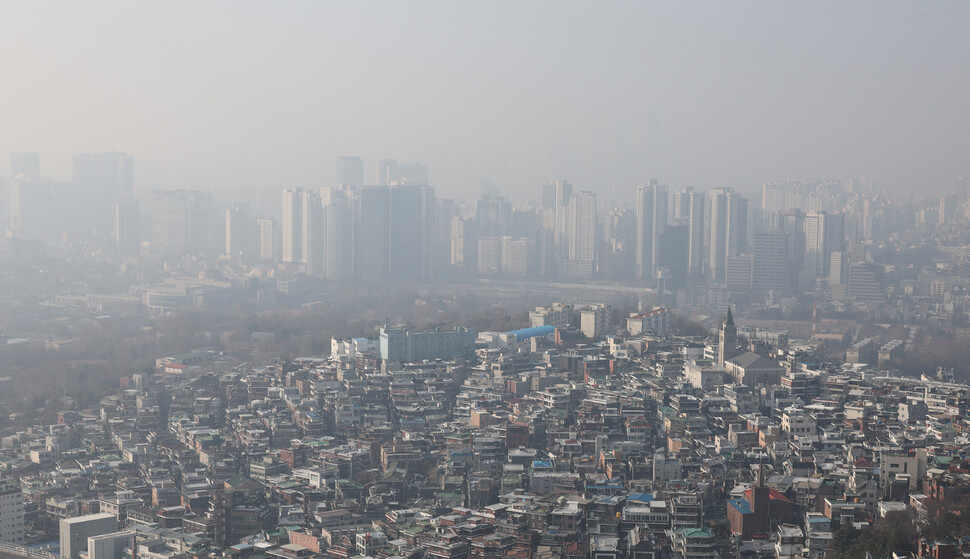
(651, 222)
(181, 220)
(580, 233)
(447, 211)
(494, 216)
(772, 261)
(866, 282)
(339, 220)
(25, 165)
(292, 226)
(266, 239)
(824, 234)
(728, 228)
(694, 215)
(350, 171)
(100, 180)
(127, 228)
(238, 231)
(793, 223)
(372, 232)
(314, 248)
(412, 225)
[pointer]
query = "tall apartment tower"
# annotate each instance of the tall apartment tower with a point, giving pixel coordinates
(372, 232)
(238, 231)
(339, 223)
(651, 223)
(267, 238)
(181, 220)
(350, 171)
(693, 213)
(101, 180)
(824, 234)
(580, 233)
(728, 229)
(556, 196)
(413, 215)
(314, 247)
(772, 261)
(292, 226)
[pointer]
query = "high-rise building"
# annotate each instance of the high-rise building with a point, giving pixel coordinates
(292, 225)
(314, 247)
(728, 229)
(372, 232)
(651, 222)
(127, 227)
(339, 219)
(25, 165)
(489, 255)
(350, 171)
(267, 239)
(238, 231)
(824, 234)
(772, 261)
(515, 256)
(693, 211)
(494, 216)
(101, 180)
(556, 196)
(580, 232)
(412, 214)
(181, 220)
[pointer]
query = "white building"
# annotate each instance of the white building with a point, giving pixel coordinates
(76, 531)
(109, 546)
(11, 512)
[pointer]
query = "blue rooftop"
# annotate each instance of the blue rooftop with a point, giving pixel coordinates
(640, 497)
(534, 332)
(742, 506)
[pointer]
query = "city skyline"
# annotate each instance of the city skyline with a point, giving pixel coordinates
(610, 96)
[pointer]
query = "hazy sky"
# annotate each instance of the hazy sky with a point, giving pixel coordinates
(605, 94)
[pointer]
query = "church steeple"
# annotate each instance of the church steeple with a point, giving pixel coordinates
(727, 339)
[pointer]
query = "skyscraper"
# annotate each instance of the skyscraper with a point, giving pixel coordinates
(651, 223)
(413, 213)
(181, 220)
(372, 233)
(127, 227)
(693, 212)
(314, 247)
(350, 171)
(772, 261)
(267, 244)
(728, 230)
(824, 234)
(339, 220)
(238, 231)
(292, 226)
(101, 180)
(580, 232)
